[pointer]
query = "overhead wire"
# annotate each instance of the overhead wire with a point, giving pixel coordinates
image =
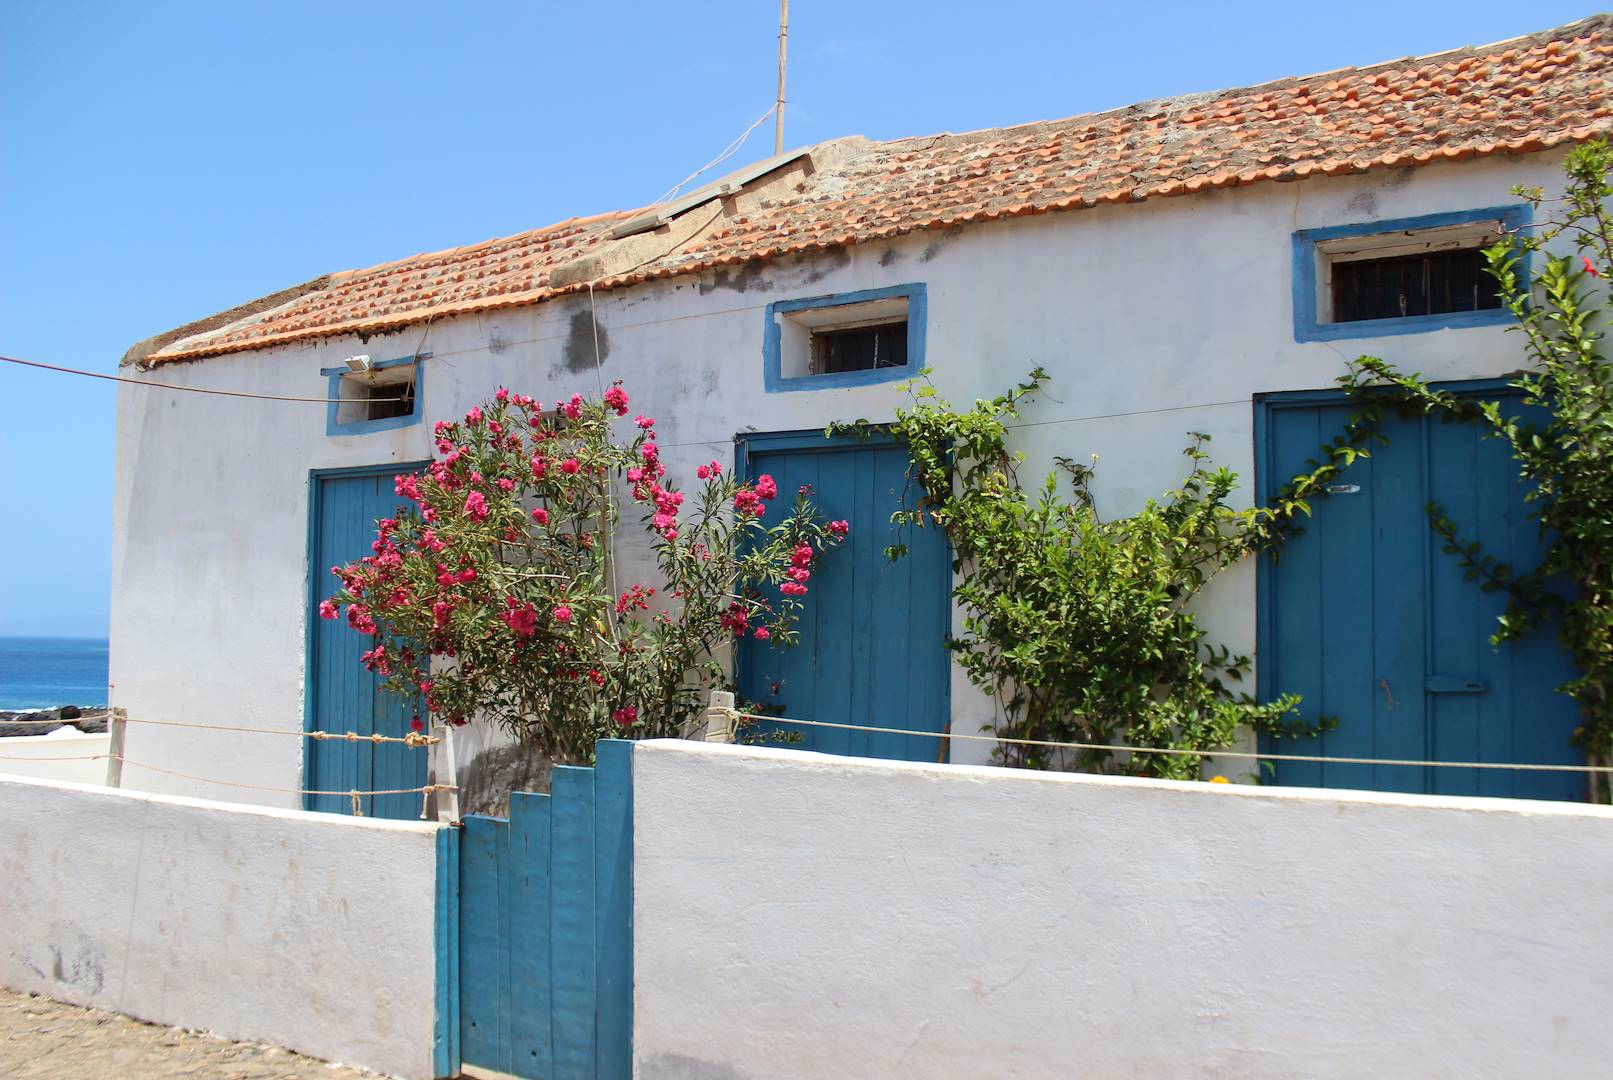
(153, 384)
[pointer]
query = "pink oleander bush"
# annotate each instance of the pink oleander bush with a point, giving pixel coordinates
(493, 592)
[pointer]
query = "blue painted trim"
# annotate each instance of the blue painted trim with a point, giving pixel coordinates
(391, 423)
(316, 579)
(1306, 324)
(773, 378)
(613, 905)
(445, 1060)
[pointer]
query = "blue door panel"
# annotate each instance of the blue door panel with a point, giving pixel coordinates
(1372, 623)
(872, 647)
(343, 696)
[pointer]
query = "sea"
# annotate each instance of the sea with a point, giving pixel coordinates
(42, 673)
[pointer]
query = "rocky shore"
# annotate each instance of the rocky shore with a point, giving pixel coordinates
(90, 720)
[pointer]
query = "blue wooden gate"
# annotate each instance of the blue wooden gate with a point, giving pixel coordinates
(545, 928)
(343, 507)
(872, 648)
(1365, 616)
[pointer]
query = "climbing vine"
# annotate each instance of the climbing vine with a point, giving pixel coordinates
(1566, 456)
(1081, 628)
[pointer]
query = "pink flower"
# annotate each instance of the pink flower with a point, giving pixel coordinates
(539, 466)
(766, 486)
(616, 398)
(644, 422)
(476, 506)
(1590, 267)
(474, 417)
(570, 466)
(799, 574)
(802, 555)
(716, 469)
(502, 395)
(562, 613)
(520, 617)
(626, 716)
(407, 485)
(703, 472)
(506, 484)
(541, 516)
(804, 489)
(358, 617)
(839, 528)
(573, 408)
(763, 633)
(328, 609)
(747, 503)
(792, 588)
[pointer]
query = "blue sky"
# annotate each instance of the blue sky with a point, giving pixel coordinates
(161, 161)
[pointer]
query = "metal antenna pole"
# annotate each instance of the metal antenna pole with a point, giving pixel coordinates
(778, 106)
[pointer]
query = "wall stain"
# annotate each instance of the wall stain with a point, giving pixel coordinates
(933, 248)
(889, 258)
(826, 264)
(497, 341)
(745, 278)
(579, 351)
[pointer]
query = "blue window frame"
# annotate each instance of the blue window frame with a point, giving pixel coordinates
(334, 425)
(1309, 323)
(781, 377)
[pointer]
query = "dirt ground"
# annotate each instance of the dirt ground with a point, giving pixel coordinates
(44, 1038)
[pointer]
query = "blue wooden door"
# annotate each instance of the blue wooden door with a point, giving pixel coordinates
(1365, 616)
(343, 696)
(872, 649)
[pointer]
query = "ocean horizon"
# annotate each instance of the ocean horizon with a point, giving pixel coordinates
(44, 672)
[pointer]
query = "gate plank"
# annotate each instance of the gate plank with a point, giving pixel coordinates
(613, 905)
(484, 992)
(531, 1001)
(572, 911)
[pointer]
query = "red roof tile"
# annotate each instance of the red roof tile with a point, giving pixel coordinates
(1518, 96)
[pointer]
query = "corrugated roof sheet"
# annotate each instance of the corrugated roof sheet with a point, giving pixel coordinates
(1517, 96)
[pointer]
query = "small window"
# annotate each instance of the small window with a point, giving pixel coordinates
(852, 339)
(386, 396)
(860, 348)
(1432, 282)
(1401, 276)
(376, 395)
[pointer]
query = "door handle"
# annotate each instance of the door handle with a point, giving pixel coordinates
(1455, 684)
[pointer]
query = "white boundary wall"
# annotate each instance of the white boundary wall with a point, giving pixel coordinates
(798, 915)
(40, 756)
(310, 931)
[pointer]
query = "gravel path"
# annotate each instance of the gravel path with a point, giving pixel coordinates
(44, 1038)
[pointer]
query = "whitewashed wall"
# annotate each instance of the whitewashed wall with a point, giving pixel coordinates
(309, 931)
(1169, 303)
(805, 916)
(46, 757)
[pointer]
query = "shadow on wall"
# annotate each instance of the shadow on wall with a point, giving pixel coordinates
(485, 784)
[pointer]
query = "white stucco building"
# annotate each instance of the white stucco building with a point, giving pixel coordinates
(1193, 264)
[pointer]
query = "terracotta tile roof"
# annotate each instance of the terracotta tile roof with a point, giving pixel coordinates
(1517, 96)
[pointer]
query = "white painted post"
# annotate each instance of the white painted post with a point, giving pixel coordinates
(116, 722)
(719, 716)
(448, 809)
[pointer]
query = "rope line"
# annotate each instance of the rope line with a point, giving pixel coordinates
(195, 389)
(413, 739)
(1113, 748)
